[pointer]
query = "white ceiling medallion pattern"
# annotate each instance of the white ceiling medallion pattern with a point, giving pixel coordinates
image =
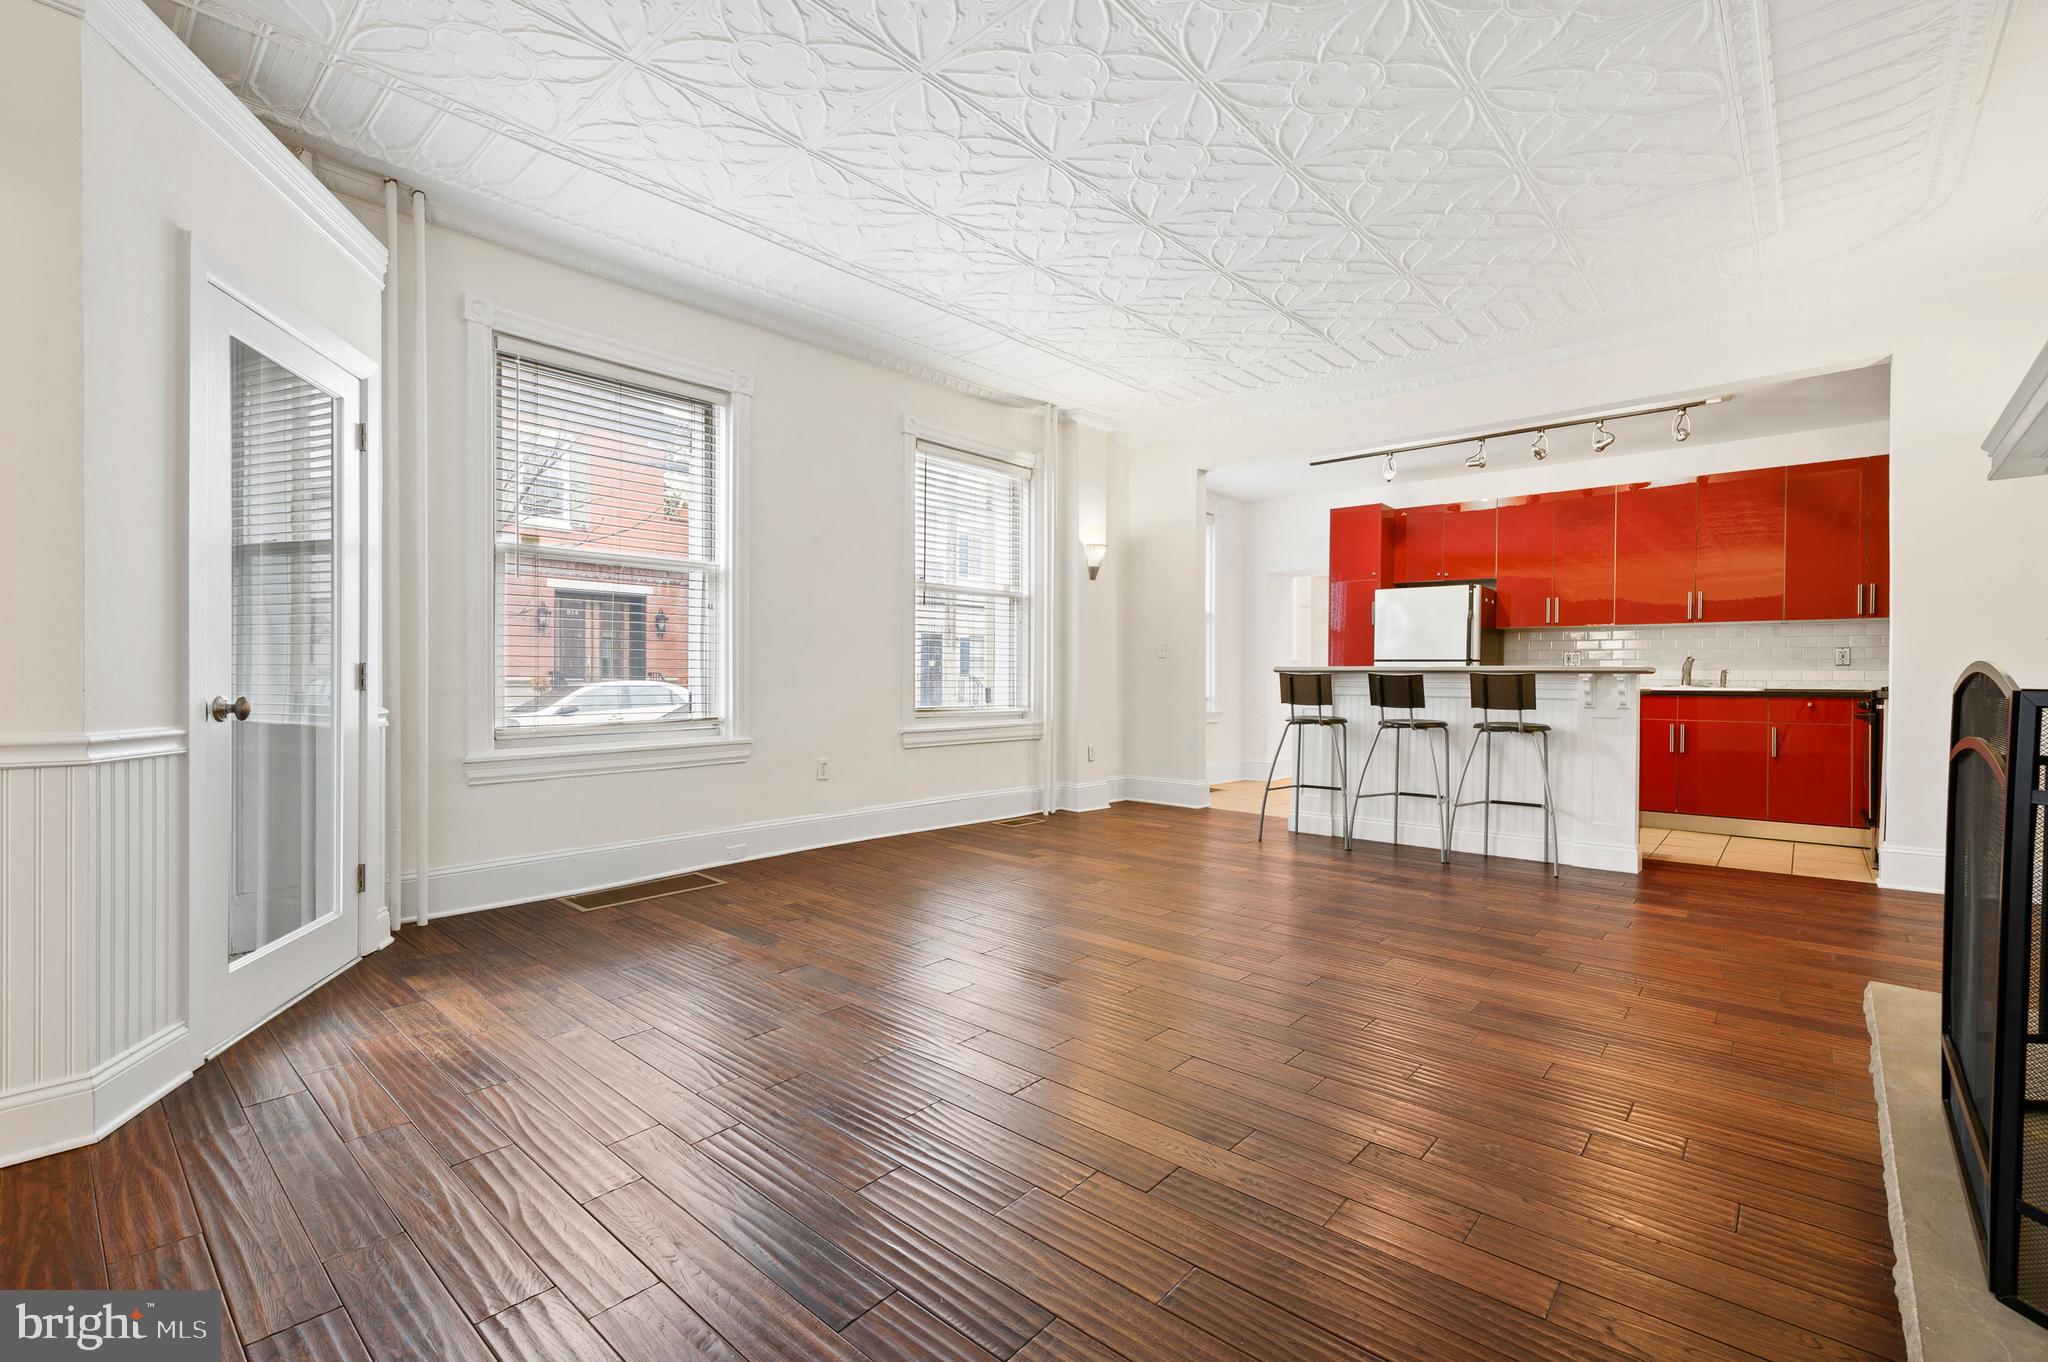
(1145, 204)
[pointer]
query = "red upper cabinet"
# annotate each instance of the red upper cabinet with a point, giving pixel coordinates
(1351, 623)
(1360, 541)
(1655, 529)
(1525, 556)
(1583, 580)
(1468, 536)
(1877, 534)
(1824, 538)
(1418, 544)
(1739, 562)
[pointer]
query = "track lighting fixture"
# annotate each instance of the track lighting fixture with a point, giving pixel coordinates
(1681, 426)
(1539, 448)
(1602, 437)
(1388, 471)
(1477, 458)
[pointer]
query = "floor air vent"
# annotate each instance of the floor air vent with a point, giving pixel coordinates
(1026, 821)
(638, 893)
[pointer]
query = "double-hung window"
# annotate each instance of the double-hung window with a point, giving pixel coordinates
(971, 610)
(609, 557)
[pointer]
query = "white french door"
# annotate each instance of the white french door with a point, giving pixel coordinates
(275, 721)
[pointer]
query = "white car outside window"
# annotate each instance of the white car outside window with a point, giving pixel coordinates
(607, 702)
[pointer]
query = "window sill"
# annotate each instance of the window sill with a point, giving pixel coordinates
(507, 765)
(954, 734)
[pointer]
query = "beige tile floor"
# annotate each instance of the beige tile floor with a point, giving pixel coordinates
(1756, 853)
(1242, 796)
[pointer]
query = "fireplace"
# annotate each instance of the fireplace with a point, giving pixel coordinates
(1994, 1079)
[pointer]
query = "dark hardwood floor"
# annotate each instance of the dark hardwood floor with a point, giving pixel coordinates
(1115, 1085)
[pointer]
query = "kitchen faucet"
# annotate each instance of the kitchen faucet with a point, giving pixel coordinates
(1685, 673)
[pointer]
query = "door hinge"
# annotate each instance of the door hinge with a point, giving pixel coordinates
(362, 676)
(362, 437)
(362, 878)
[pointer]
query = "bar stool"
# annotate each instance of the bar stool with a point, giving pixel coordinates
(1404, 690)
(1316, 691)
(1507, 691)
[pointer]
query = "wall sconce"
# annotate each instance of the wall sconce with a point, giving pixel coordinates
(541, 616)
(661, 624)
(1094, 553)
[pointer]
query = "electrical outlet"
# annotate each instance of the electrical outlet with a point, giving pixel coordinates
(735, 850)
(1091, 751)
(1571, 659)
(1841, 657)
(824, 769)
(1162, 651)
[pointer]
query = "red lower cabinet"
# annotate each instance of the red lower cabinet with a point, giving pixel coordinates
(1351, 623)
(1813, 761)
(1660, 754)
(1724, 768)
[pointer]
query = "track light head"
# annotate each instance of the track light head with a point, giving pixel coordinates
(1388, 470)
(1539, 448)
(1477, 458)
(1602, 437)
(1681, 425)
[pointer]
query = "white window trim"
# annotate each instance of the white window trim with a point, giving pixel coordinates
(493, 758)
(955, 729)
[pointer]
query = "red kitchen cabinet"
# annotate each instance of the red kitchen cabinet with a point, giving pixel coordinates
(1359, 543)
(1583, 578)
(1824, 540)
(1861, 805)
(1739, 552)
(1813, 762)
(1525, 562)
(1655, 529)
(1418, 542)
(1659, 760)
(1469, 552)
(1877, 535)
(1724, 768)
(1351, 623)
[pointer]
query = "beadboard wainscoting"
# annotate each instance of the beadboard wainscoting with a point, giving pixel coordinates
(92, 933)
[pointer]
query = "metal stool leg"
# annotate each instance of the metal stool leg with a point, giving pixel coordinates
(1399, 734)
(1443, 810)
(1549, 808)
(1457, 799)
(1278, 747)
(1486, 809)
(1358, 795)
(1340, 735)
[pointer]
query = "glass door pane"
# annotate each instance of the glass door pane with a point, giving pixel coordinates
(283, 437)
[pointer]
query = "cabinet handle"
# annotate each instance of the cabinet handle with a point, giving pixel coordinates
(1681, 740)
(1703, 602)
(1859, 598)
(1873, 598)
(1774, 742)
(1671, 738)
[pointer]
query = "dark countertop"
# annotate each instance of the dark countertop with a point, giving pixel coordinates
(1779, 692)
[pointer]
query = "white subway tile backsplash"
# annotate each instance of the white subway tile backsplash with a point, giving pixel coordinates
(1754, 654)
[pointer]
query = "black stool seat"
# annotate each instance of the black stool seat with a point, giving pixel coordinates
(1413, 723)
(1324, 719)
(1502, 726)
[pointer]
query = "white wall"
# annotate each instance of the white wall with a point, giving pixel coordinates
(1960, 545)
(826, 556)
(1226, 720)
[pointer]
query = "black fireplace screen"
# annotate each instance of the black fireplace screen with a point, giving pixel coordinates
(1994, 1055)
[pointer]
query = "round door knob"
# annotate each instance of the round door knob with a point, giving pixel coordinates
(221, 708)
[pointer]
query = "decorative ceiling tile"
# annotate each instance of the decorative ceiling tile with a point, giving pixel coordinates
(1144, 204)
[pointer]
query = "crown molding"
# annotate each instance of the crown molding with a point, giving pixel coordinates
(153, 50)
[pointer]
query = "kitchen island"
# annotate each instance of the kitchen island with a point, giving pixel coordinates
(1595, 724)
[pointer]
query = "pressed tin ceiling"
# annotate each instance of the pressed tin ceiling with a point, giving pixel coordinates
(1142, 205)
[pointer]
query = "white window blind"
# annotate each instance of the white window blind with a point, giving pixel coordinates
(611, 573)
(972, 608)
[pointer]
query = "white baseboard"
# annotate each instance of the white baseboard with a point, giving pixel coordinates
(1247, 768)
(522, 879)
(1916, 869)
(52, 1117)
(1090, 796)
(1180, 794)
(1421, 831)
